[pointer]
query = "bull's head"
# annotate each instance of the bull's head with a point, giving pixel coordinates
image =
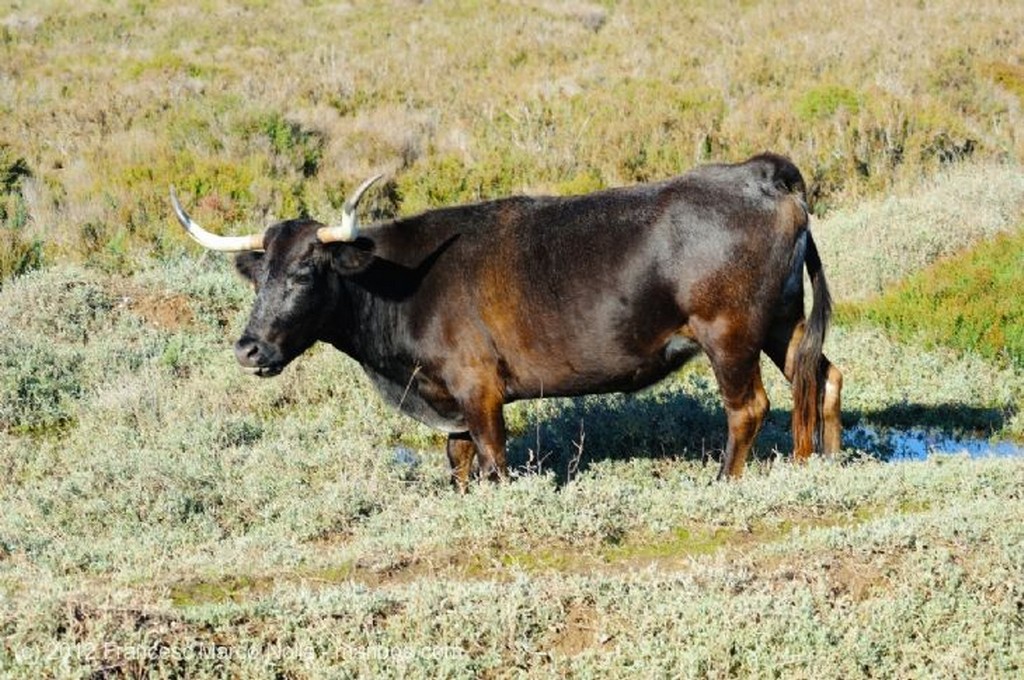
(290, 265)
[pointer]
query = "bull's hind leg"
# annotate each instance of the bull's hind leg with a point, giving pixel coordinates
(781, 348)
(746, 404)
(832, 435)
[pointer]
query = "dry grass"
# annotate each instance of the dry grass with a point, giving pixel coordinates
(266, 110)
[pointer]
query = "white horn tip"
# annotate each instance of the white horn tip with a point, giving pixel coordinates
(212, 241)
(357, 195)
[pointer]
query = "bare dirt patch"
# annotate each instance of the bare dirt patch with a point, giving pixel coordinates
(581, 631)
(166, 311)
(858, 580)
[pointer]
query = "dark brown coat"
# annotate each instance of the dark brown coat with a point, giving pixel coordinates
(455, 312)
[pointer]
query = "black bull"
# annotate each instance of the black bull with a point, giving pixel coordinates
(456, 312)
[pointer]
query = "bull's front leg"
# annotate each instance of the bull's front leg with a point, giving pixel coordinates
(483, 411)
(461, 450)
(488, 433)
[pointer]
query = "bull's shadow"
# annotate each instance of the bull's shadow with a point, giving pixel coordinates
(567, 436)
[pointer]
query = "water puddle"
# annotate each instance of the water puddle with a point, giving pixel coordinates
(893, 444)
(897, 444)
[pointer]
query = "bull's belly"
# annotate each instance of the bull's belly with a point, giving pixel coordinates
(440, 414)
(428, 402)
(584, 375)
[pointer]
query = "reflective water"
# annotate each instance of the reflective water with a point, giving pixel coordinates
(918, 444)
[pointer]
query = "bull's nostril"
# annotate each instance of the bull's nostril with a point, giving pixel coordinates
(247, 351)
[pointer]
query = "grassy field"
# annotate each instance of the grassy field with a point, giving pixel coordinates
(163, 513)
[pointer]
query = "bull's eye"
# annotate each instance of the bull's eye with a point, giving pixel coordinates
(303, 277)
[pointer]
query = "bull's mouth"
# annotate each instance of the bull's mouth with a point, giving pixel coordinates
(264, 371)
(260, 358)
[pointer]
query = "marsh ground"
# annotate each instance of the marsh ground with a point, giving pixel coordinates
(162, 513)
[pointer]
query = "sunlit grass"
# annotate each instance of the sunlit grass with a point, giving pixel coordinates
(163, 513)
(154, 495)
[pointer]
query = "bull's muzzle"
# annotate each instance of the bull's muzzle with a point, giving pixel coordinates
(261, 358)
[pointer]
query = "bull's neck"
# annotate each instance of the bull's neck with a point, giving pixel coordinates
(369, 307)
(353, 324)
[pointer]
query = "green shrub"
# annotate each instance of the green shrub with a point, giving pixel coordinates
(18, 255)
(1008, 76)
(18, 252)
(448, 180)
(294, 147)
(583, 182)
(824, 101)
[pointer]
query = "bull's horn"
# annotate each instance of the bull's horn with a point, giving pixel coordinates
(228, 244)
(349, 228)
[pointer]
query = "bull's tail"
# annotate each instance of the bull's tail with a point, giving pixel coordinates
(808, 373)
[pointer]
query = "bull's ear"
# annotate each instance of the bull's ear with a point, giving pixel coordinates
(351, 258)
(248, 263)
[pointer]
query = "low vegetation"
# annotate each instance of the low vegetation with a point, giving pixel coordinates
(970, 301)
(163, 513)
